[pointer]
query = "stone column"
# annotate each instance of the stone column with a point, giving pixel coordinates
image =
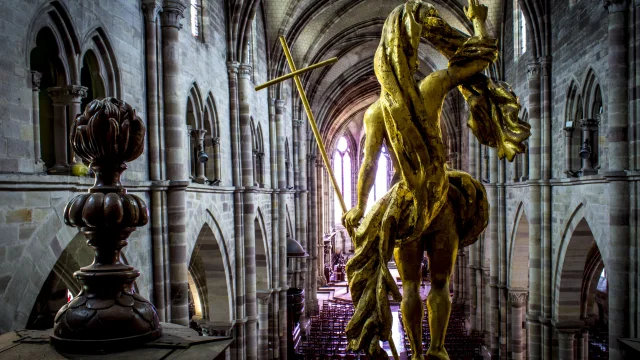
(282, 225)
(198, 137)
(313, 232)
(566, 343)
(76, 94)
(518, 300)
(535, 272)
(176, 171)
(588, 126)
(583, 345)
(35, 101)
(619, 205)
(59, 131)
(217, 161)
(568, 142)
(274, 340)
(492, 195)
(238, 347)
(245, 94)
(263, 324)
(473, 249)
(151, 10)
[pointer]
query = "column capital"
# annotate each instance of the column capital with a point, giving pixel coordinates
(568, 130)
(297, 123)
(311, 157)
(151, 9)
(172, 13)
(613, 6)
(279, 104)
(198, 133)
(244, 71)
(545, 65)
(533, 70)
(589, 124)
(215, 140)
(263, 297)
(67, 94)
(564, 334)
(518, 299)
(36, 76)
(232, 67)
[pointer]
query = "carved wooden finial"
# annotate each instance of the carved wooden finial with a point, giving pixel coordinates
(107, 315)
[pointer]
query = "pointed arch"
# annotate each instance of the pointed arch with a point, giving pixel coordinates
(518, 276)
(106, 67)
(213, 170)
(55, 17)
(210, 272)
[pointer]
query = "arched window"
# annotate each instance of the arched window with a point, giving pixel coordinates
(287, 165)
(519, 31)
(258, 154)
(342, 171)
(521, 163)
(195, 136)
(381, 184)
(589, 152)
(91, 78)
(212, 168)
(196, 19)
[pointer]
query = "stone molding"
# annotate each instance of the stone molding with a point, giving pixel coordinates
(297, 122)
(232, 68)
(172, 14)
(545, 65)
(36, 76)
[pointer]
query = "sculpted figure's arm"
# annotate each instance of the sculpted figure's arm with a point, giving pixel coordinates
(374, 132)
(438, 83)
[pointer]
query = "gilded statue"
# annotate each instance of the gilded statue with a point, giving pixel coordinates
(429, 207)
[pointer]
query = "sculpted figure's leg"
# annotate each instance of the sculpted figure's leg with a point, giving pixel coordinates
(442, 247)
(409, 261)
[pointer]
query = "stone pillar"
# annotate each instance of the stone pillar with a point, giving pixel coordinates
(494, 266)
(313, 233)
(35, 101)
(75, 96)
(151, 10)
(535, 272)
(568, 142)
(587, 155)
(238, 347)
(245, 94)
(198, 137)
(518, 300)
(282, 225)
(583, 345)
(263, 324)
(619, 205)
(175, 161)
(473, 249)
(217, 161)
(306, 263)
(59, 131)
(566, 344)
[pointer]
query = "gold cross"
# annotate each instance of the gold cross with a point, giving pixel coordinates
(295, 75)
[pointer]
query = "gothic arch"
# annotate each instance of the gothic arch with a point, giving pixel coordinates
(591, 84)
(519, 250)
(98, 42)
(212, 139)
(209, 268)
(55, 17)
(577, 240)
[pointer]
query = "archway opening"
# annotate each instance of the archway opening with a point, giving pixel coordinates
(45, 59)
(519, 287)
(211, 284)
(582, 296)
(262, 265)
(91, 79)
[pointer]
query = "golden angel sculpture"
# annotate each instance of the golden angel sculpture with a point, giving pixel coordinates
(429, 207)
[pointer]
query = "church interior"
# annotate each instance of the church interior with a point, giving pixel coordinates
(244, 239)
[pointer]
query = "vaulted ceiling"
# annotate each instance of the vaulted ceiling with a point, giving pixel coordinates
(350, 30)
